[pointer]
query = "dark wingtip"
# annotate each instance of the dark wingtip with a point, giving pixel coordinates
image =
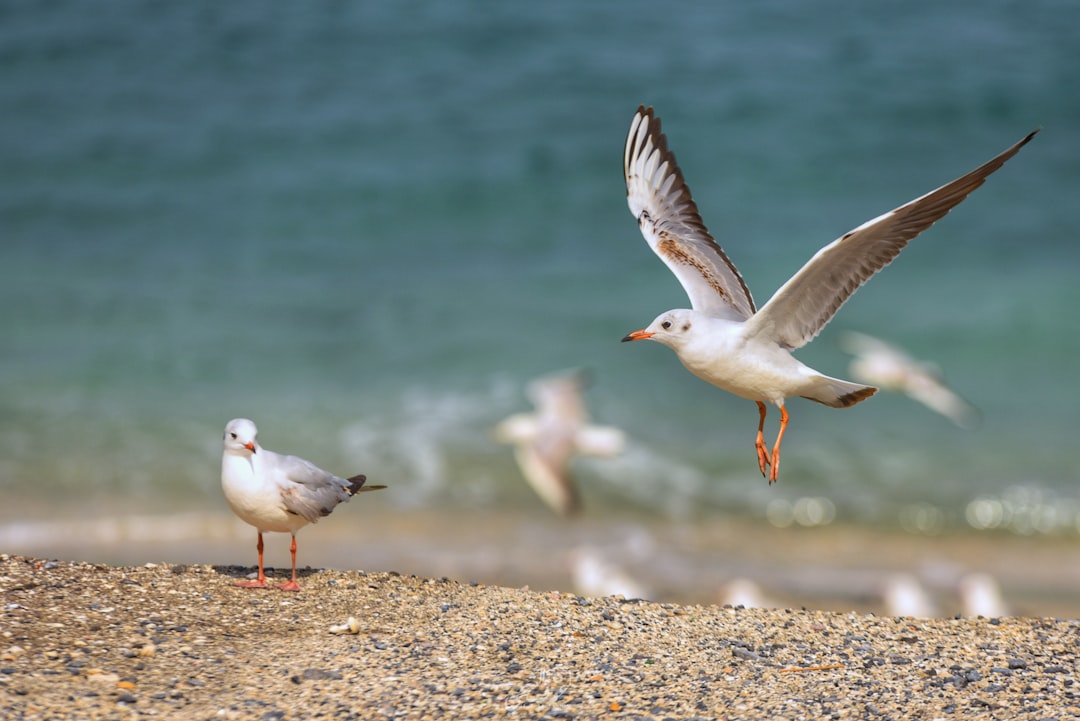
(858, 396)
(1027, 138)
(356, 482)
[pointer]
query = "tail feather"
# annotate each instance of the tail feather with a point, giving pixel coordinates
(837, 393)
(356, 485)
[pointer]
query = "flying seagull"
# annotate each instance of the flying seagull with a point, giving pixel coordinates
(885, 365)
(546, 441)
(724, 339)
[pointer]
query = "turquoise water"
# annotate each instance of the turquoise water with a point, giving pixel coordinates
(367, 225)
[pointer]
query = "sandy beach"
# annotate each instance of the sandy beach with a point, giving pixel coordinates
(91, 641)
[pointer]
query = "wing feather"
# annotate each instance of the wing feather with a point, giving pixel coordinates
(668, 217)
(803, 305)
(309, 491)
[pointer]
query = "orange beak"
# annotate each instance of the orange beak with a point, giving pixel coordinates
(250, 447)
(637, 335)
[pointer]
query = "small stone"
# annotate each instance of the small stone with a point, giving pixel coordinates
(352, 626)
(97, 676)
(745, 654)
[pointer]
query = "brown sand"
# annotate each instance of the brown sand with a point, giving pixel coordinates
(87, 641)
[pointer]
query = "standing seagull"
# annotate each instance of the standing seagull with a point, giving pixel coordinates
(277, 493)
(546, 441)
(724, 340)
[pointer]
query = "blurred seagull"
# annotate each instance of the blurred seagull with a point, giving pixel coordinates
(595, 576)
(888, 367)
(746, 593)
(725, 340)
(546, 441)
(903, 595)
(980, 595)
(277, 493)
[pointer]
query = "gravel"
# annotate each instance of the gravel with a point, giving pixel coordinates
(90, 641)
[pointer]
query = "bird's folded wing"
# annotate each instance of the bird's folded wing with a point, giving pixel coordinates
(307, 490)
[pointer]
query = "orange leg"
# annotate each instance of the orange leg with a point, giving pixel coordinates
(776, 448)
(759, 444)
(291, 585)
(260, 582)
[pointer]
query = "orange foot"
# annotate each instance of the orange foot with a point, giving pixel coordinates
(260, 583)
(290, 586)
(762, 455)
(759, 441)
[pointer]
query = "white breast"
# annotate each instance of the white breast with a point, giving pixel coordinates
(724, 357)
(255, 499)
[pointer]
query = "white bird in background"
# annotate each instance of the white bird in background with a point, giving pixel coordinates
(724, 339)
(746, 593)
(277, 493)
(594, 576)
(981, 595)
(546, 441)
(903, 595)
(888, 367)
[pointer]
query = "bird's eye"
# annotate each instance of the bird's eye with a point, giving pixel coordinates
(666, 324)
(233, 436)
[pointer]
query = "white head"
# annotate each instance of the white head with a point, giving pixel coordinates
(240, 437)
(671, 328)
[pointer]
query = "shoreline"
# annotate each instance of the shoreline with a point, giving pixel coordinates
(839, 567)
(91, 641)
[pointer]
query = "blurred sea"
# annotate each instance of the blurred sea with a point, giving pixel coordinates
(367, 225)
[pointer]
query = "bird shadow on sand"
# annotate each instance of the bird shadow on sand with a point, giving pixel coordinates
(273, 575)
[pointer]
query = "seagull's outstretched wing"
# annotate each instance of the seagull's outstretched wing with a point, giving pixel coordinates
(802, 306)
(545, 463)
(668, 217)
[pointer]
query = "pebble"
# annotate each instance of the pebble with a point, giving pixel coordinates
(352, 626)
